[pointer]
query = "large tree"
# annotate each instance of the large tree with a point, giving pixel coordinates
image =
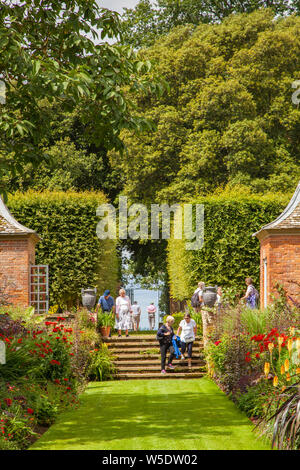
(56, 51)
(229, 117)
(148, 20)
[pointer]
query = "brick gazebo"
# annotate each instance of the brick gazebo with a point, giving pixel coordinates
(17, 257)
(280, 252)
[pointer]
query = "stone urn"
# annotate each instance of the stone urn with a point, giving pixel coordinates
(89, 297)
(209, 296)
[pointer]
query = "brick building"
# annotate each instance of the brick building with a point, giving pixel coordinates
(280, 252)
(17, 256)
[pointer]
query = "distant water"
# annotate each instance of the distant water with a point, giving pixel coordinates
(144, 297)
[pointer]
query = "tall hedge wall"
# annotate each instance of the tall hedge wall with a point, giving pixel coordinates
(230, 253)
(67, 222)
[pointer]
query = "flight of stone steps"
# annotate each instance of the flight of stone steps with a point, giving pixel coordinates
(138, 357)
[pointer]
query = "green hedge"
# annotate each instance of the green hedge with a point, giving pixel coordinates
(66, 222)
(230, 253)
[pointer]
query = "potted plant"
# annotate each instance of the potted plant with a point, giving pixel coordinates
(105, 323)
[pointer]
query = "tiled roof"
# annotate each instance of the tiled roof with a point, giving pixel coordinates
(8, 224)
(290, 217)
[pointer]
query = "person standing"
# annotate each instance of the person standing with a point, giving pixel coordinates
(197, 298)
(165, 335)
(187, 331)
(136, 315)
(105, 302)
(151, 309)
(251, 295)
(123, 310)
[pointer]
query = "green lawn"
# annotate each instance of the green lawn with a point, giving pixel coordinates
(152, 415)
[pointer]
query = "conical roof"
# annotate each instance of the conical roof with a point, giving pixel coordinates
(288, 219)
(9, 225)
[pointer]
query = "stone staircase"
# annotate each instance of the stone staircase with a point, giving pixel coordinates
(138, 357)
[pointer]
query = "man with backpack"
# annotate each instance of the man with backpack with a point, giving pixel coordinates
(197, 299)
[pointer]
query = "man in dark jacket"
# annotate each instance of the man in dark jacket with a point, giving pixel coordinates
(165, 335)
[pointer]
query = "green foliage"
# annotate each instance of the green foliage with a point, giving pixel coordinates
(105, 319)
(67, 225)
(230, 252)
(252, 402)
(45, 411)
(59, 51)
(144, 23)
(254, 321)
(101, 366)
(228, 119)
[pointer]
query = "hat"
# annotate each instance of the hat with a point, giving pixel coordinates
(107, 292)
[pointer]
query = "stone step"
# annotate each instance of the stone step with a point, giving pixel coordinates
(136, 339)
(136, 346)
(145, 357)
(155, 362)
(158, 375)
(151, 368)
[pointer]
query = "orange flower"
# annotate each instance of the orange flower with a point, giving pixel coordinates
(267, 368)
(282, 371)
(288, 377)
(286, 365)
(275, 381)
(290, 345)
(298, 370)
(283, 388)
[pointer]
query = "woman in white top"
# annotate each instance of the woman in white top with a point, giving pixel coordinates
(187, 331)
(123, 310)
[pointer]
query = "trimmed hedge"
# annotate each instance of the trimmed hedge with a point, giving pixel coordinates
(66, 222)
(230, 253)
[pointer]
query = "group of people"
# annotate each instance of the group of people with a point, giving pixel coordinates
(250, 298)
(127, 315)
(186, 333)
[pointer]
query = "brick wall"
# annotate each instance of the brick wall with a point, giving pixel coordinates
(16, 256)
(282, 252)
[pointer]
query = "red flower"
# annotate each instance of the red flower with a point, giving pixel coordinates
(8, 401)
(30, 411)
(217, 342)
(248, 359)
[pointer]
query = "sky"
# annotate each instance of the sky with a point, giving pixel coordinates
(117, 5)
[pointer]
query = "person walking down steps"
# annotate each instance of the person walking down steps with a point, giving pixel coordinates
(164, 336)
(151, 309)
(123, 310)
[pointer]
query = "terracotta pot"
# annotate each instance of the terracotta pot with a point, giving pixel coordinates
(105, 330)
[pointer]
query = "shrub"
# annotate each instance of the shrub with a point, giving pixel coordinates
(67, 223)
(253, 401)
(101, 366)
(230, 253)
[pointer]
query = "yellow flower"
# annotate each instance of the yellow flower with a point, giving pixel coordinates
(286, 365)
(282, 371)
(298, 344)
(298, 370)
(290, 345)
(292, 331)
(267, 368)
(271, 347)
(275, 381)
(280, 340)
(288, 377)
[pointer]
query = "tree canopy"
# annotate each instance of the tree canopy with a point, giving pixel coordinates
(51, 51)
(229, 117)
(148, 20)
